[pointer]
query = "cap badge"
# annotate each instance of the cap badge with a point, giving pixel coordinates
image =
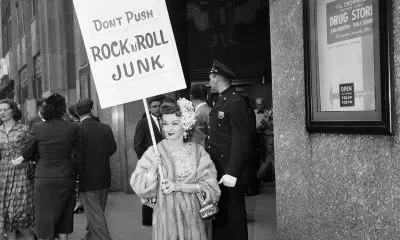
(221, 115)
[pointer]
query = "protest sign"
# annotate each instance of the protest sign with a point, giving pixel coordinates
(131, 49)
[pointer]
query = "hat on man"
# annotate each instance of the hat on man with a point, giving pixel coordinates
(221, 69)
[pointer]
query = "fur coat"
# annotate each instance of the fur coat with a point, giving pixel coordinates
(176, 215)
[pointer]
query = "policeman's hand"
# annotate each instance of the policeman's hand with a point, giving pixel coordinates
(228, 180)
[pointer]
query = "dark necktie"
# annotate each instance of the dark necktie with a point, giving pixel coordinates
(159, 123)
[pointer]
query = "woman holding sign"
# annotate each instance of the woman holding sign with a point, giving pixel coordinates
(190, 189)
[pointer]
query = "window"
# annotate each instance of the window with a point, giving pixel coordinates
(84, 79)
(348, 66)
(34, 8)
(37, 77)
(6, 30)
(23, 82)
(20, 18)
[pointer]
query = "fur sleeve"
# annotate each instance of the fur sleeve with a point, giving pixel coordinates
(207, 175)
(139, 181)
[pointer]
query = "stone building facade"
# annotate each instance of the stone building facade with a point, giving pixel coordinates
(329, 186)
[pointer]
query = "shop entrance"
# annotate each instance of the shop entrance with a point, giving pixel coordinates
(236, 32)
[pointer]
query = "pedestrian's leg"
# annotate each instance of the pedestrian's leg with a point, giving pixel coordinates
(88, 235)
(270, 150)
(27, 233)
(12, 235)
(103, 198)
(271, 155)
(231, 221)
(147, 215)
(95, 215)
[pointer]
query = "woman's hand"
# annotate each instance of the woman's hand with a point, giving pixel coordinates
(157, 157)
(168, 186)
(153, 170)
(17, 161)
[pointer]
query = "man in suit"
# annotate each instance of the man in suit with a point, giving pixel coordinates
(142, 141)
(198, 96)
(228, 144)
(265, 135)
(95, 177)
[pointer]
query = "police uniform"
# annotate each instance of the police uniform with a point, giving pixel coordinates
(228, 144)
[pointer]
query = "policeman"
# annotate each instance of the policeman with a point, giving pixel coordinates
(228, 144)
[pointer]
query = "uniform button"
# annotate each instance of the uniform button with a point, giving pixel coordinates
(219, 125)
(234, 93)
(222, 155)
(209, 127)
(209, 147)
(224, 98)
(208, 137)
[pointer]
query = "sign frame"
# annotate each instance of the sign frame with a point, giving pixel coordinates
(376, 121)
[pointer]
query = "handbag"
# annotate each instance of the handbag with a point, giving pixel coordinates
(30, 173)
(207, 211)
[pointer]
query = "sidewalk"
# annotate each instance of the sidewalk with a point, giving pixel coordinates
(124, 217)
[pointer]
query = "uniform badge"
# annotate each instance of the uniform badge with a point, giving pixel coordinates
(220, 115)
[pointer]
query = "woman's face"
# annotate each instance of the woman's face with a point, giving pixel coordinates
(5, 112)
(172, 126)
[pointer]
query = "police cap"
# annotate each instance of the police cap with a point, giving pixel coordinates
(221, 69)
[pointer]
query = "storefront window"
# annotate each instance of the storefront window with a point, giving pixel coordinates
(6, 29)
(348, 65)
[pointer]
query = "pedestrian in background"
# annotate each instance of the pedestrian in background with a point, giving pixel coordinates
(265, 131)
(56, 141)
(95, 178)
(198, 96)
(78, 203)
(16, 190)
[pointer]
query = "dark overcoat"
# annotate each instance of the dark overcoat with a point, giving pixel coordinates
(98, 146)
